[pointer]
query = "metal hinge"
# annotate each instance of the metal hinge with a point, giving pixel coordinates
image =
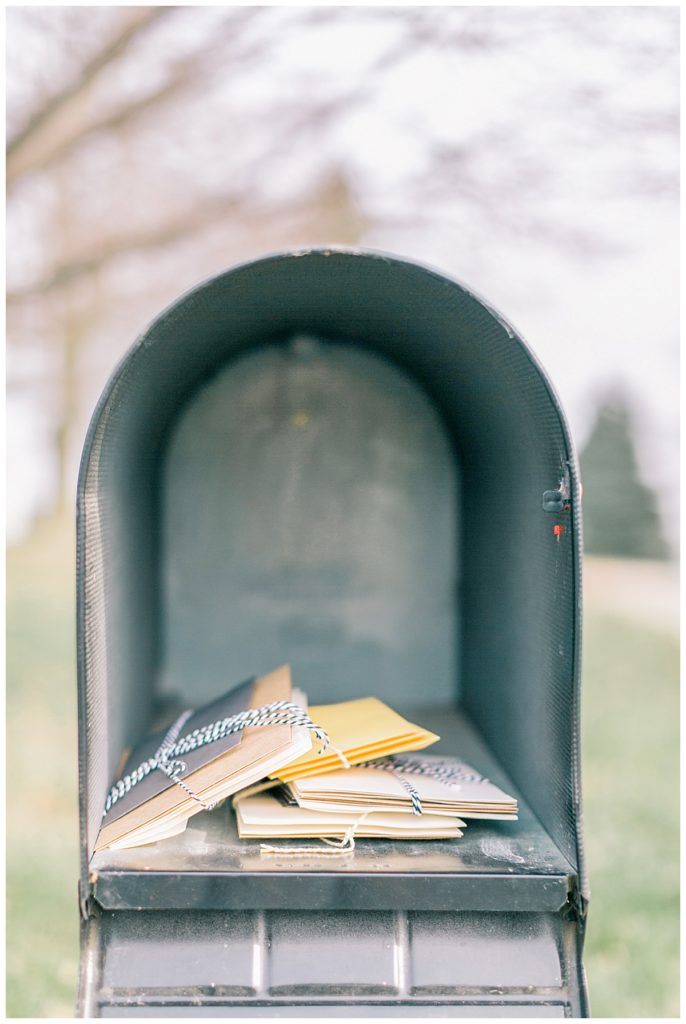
(558, 500)
(85, 900)
(576, 907)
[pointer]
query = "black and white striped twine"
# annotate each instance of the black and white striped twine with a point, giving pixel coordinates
(167, 758)
(449, 771)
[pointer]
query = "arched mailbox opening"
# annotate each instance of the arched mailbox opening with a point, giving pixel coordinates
(338, 460)
(310, 516)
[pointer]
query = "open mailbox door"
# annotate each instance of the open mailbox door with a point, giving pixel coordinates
(350, 463)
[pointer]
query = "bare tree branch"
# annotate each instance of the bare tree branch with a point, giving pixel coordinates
(188, 74)
(115, 120)
(454, 172)
(312, 120)
(60, 115)
(192, 221)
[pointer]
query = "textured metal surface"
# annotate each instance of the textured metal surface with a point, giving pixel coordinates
(310, 489)
(519, 582)
(365, 961)
(467, 1008)
(481, 596)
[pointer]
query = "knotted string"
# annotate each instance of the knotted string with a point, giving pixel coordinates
(167, 757)
(341, 847)
(449, 770)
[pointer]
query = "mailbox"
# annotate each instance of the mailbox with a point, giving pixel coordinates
(351, 463)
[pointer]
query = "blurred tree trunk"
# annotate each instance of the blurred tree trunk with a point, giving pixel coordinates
(74, 321)
(68, 408)
(335, 216)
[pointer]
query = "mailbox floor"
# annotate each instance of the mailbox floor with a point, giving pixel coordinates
(495, 866)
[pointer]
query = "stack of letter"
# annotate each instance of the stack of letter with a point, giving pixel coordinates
(329, 771)
(401, 797)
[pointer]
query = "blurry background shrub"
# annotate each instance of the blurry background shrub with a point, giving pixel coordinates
(621, 516)
(533, 153)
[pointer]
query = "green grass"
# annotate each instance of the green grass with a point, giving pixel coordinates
(631, 798)
(42, 808)
(630, 785)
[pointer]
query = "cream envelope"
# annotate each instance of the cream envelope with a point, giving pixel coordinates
(384, 788)
(265, 816)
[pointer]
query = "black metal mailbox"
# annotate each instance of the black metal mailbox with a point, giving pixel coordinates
(351, 463)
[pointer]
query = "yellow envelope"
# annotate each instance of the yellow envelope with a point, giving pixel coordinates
(361, 730)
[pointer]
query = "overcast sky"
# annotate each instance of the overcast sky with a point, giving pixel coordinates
(531, 153)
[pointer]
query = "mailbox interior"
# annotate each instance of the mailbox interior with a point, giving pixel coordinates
(338, 461)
